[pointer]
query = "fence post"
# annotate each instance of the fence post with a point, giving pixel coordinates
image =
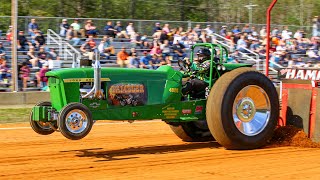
(74, 60)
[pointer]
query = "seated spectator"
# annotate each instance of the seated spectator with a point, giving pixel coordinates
(101, 50)
(90, 28)
(86, 50)
(24, 74)
(32, 27)
(178, 50)
(155, 49)
(42, 57)
(134, 62)
(91, 42)
(138, 41)
(223, 31)
(5, 72)
(242, 44)
(76, 26)
(166, 28)
(246, 29)
(165, 48)
(255, 45)
(146, 46)
(133, 51)
(157, 30)
(64, 26)
(2, 52)
(120, 31)
(39, 38)
(163, 36)
(122, 57)
(53, 55)
(236, 30)
(198, 29)
(70, 33)
(312, 55)
(9, 36)
(130, 29)
(41, 76)
(145, 61)
(109, 30)
(204, 37)
(73, 36)
(32, 58)
(23, 42)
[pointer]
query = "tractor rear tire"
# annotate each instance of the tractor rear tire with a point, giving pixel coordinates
(75, 121)
(41, 127)
(242, 109)
(193, 131)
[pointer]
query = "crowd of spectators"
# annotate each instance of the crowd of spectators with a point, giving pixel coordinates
(163, 45)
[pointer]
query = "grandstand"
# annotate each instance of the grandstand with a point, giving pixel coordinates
(246, 45)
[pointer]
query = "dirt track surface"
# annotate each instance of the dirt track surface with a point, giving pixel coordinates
(146, 150)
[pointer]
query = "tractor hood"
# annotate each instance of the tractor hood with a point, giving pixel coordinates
(128, 74)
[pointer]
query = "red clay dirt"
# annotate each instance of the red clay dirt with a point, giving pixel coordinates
(146, 150)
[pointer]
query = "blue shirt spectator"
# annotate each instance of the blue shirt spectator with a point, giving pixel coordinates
(32, 27)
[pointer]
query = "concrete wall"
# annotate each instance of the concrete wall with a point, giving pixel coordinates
(23, 98)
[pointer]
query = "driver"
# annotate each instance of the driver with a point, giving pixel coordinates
(194, 86)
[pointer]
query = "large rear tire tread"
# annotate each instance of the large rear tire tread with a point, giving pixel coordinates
(35, 125)
(189, 132)
(219, 109)
(62, 121)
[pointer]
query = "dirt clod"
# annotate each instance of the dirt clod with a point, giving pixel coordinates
(292, 136)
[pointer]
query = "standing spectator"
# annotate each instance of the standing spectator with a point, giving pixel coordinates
(76, 26)
(120, 31)
(157, 30)
(2, 52)
(9, 36)
(109, 30)
(130, 29)
(122, 57)
(25, 74)
(178, 50)
(22, 41)
(298, 35)
(32, 27)
(64, 26)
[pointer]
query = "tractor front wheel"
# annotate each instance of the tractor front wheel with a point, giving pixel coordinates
(75, 121)
(242, 109)
(40, 127)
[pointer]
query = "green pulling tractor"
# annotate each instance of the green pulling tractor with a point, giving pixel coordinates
(238, 107)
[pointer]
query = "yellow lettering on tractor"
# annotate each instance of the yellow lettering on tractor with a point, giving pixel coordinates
(174, 90)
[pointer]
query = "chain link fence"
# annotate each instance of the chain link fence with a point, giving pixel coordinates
(142, 26)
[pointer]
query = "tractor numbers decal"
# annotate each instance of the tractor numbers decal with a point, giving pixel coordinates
(123, 94)
(198, 110)
(170, 112)
(174, 90)
(83, 80)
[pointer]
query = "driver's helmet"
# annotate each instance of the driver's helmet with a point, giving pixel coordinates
(203, 54)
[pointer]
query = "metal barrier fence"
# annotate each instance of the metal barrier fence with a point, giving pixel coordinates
(142, 26)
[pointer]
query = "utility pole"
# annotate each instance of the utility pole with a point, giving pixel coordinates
(250, 7)
(14, 59)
